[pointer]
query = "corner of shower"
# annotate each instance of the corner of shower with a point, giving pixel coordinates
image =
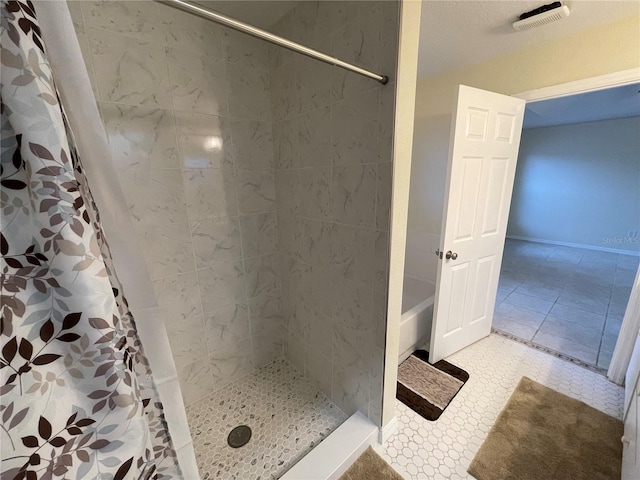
(258, 181)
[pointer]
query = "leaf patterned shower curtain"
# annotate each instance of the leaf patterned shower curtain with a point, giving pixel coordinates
(77, 396)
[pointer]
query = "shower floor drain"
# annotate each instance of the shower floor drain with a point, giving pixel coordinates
(239, 436)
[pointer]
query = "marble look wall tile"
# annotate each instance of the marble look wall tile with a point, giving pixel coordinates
(287, 235)
(221, 285)
(216, 240)
(314, 138)
(320, 336)
(75, 11)
(256, 191)
(375, 383)
(350, 388)
(265, 311)
(187, 340)
(268, 345)
(352, 253)
(284, 81)
(188, 32)
(154, 197)
(381, 261)
(386, 123)
(210, 193)
(85, 49)
(196, 381)
(359, 43)
(245, 50)
(167, 249)
(313, 238)
(295, 351)
(262, 276)
(227, 326)
(313, 83)
(319, 368)
(354, 195)
(259, 234)
(198, 82)
(287, 186)
(383, 195)
(315, 193)
(389, 38)
(379, 318)
(354, 130)
(142, 19)
(285, 143)
(352, 309)
(252, 144)
(231, 363)
(248, 92)
(342, 13)
(140, 137)
(178, 297)
(129, 70)
(204, 140)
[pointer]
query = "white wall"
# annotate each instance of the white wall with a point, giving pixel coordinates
(579, 184)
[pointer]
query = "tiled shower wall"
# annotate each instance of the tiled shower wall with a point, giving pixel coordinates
(332, 133)
(187, 111)
(259, 182)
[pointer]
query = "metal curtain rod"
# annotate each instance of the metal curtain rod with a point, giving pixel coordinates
(270, 37)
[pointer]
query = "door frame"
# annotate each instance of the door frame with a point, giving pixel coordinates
(630, 323)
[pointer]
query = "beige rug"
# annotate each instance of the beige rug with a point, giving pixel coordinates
(370, 466)
(543, 434)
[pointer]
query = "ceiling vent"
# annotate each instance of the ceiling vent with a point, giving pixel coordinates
(542, 16)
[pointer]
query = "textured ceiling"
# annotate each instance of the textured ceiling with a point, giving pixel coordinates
(616, 102)
(455, 34)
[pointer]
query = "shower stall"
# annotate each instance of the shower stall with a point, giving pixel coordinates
(258, 181)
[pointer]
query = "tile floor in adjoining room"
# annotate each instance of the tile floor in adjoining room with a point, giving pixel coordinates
(569, 300)
(286, 412)
(443, 449)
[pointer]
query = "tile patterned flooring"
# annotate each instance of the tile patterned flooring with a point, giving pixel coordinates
(569, 300)
(286, 412)
(424, 450)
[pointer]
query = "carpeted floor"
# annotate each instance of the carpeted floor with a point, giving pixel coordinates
(543, 434)
(370, 466)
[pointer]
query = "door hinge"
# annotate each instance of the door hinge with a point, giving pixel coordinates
(439, 254)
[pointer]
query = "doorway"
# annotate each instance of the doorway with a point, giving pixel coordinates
(571, 252)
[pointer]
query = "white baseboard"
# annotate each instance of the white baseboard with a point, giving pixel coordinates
(575, 245)
(336, 453)
(389, 429)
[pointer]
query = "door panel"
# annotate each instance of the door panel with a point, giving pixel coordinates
(483, 153)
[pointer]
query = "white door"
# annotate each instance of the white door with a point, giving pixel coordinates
(485, 136)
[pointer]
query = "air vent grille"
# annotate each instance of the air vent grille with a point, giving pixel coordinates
(542, 19)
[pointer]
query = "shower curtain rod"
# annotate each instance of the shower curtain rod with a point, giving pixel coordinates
(270, 37)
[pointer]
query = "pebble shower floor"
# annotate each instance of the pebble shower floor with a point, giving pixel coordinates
(286, 412)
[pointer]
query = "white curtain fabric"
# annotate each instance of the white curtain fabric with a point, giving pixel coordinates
(77, 97)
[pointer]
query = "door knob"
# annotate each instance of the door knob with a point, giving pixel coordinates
(451, 255)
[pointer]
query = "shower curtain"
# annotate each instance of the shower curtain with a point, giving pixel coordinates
(77, 395)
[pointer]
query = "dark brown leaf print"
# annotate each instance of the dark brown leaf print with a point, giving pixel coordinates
(44, 428)
(122, 471)
(26, 349)
(71, 320)
(68, 337)
(57, 441)
(46, 359)
(4, 245)
(13, 184)
(9, 350)
(98, 444)
(30, 441)
(46, 331)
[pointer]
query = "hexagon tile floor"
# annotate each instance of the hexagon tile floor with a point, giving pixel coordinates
(423, 450)
(286, 412)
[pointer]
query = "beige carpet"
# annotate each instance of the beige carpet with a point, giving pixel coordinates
(543, 434)
(370, 466)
